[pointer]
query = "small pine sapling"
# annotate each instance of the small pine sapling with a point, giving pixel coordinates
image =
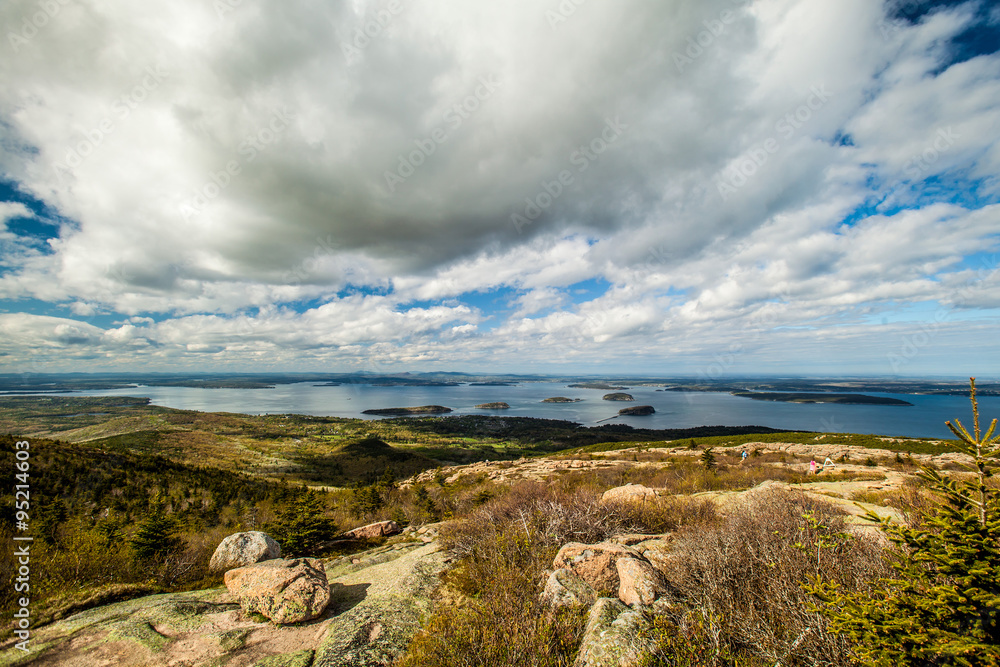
(708, 459)
(943, 605)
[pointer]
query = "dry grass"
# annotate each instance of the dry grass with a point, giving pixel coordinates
(737, 585)
(505, 547)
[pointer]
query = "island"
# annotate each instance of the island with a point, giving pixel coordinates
(840, 399)
(402, 412)
(596, 385)
(562, 399)
(638, 411)
(492, 384)
(618, 397)
(493, 406)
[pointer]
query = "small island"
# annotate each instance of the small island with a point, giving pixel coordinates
(839, 399)
(491, 384)
(500, 405)
(562, 399)
(618, 397)
(638, 411)
(400, 412)
(596, 385)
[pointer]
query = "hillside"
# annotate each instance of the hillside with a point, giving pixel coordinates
(488, 504)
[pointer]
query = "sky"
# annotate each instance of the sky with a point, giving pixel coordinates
(659, 187)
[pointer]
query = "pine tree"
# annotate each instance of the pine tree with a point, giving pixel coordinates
(943, 605)
(366, 499)
(156, 536)
(51, 517)
(422, 499)
(708, 459)
(301, 527)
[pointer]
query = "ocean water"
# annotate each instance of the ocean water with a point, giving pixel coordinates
(673, 410)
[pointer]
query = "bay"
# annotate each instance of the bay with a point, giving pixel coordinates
(673, 410)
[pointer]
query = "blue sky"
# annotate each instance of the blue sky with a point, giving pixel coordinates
(652, 187)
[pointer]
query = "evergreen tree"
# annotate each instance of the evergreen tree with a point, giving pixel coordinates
(422, 499)
(366, 499)
(156, 536)
(708, 459)
(943, 606)
(302, 526)
(51, 517)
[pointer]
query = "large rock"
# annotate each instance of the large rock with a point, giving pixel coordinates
(378, 600)
(640, 583)
(659, 551)
(613, 637)
(373, 530)
(596, 564)
(285, 591)
(628, 494)
(565, 588)
(244, 549)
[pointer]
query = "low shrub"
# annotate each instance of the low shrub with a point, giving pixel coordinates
(737, 585)
(505, 547)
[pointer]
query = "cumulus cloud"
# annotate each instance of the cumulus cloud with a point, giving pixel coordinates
(308, 183)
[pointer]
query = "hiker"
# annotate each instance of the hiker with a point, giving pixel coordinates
(744, 457)
(812, 467)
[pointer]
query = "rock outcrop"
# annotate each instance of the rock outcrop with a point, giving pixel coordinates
(285, 591)
(613, 637)
(378, 600)
(565, 588)
(242, 549)
(620, 566)
(595, 564)
(628, 494)
(375, 530)
(380, 603)
(639, 582)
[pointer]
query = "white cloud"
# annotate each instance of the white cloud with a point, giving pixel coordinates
(212, 165)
